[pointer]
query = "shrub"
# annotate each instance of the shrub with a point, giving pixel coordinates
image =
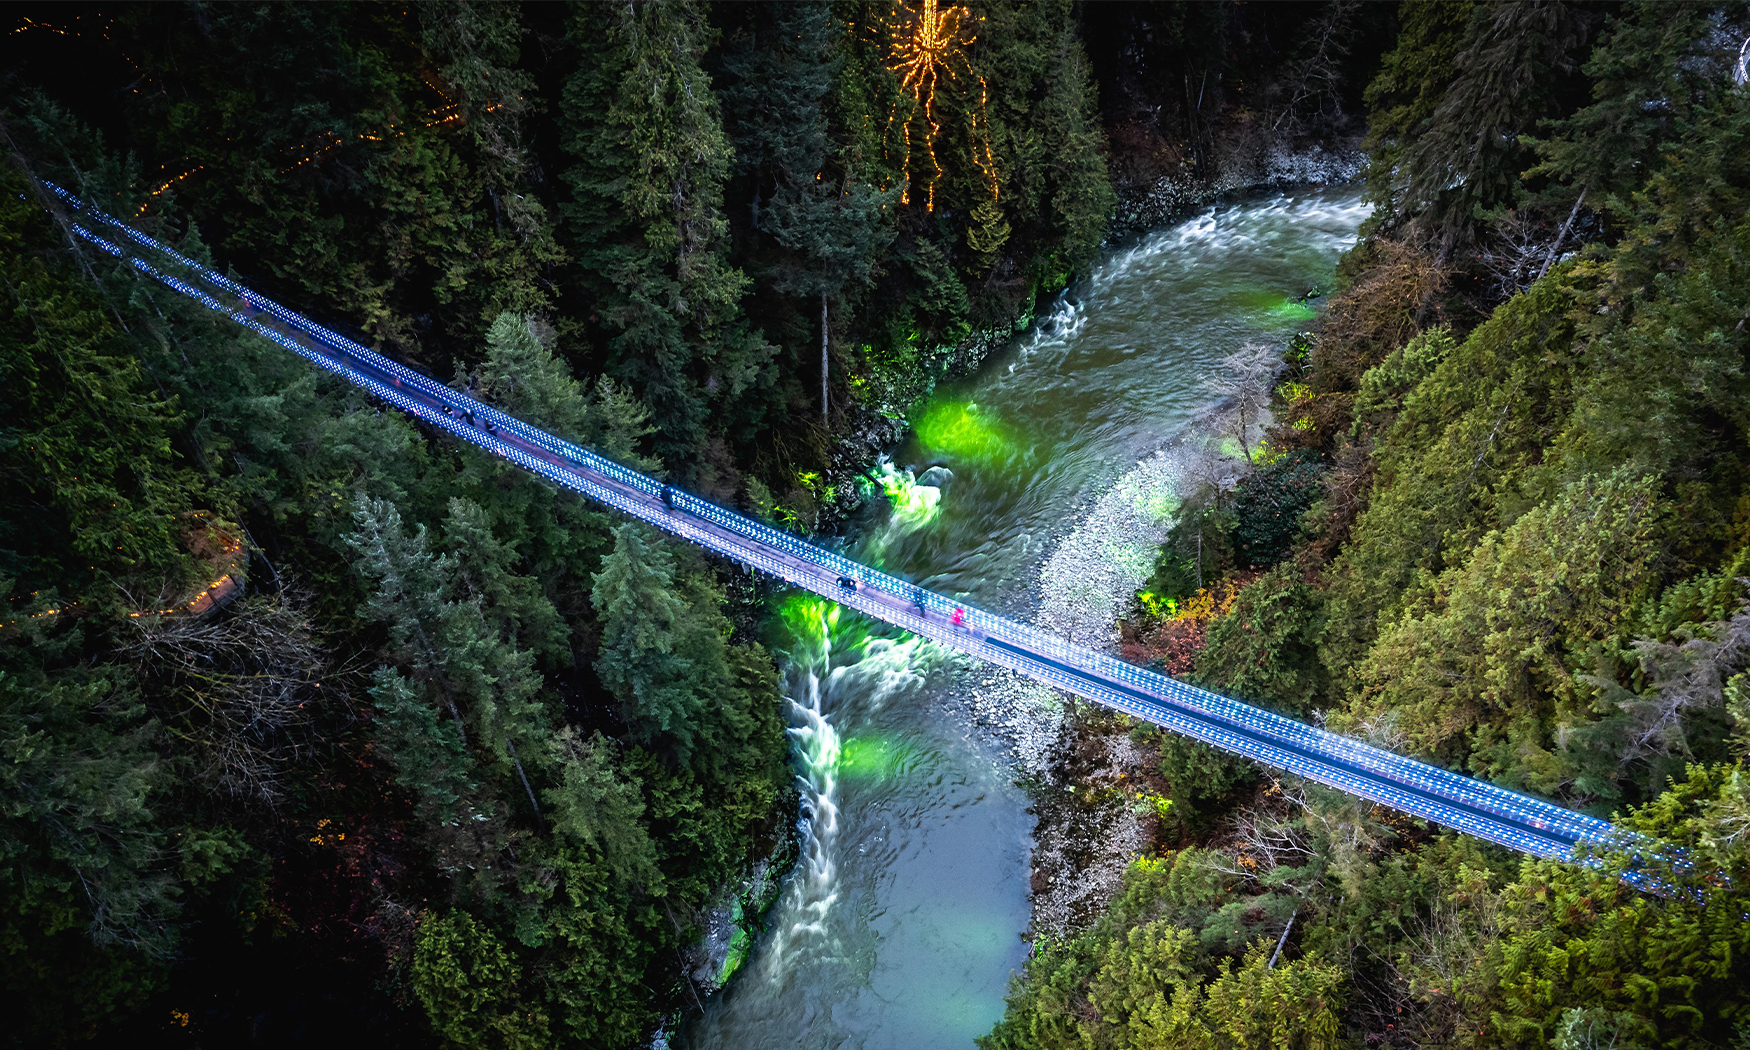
(1270, 505)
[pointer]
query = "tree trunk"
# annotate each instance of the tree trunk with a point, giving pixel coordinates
(437, 677)
(1280, 941)
(510, 747)
(825, 418)
(1555, 248)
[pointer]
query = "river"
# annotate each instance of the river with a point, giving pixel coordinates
(904, 920)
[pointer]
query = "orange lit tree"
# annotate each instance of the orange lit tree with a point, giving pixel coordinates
(928, 50)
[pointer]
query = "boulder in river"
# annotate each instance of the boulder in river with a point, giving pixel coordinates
(936, 477)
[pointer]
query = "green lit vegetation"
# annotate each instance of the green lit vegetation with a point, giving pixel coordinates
(1133, 558)
(1157, 504)
(1158, 805)
(808, 619)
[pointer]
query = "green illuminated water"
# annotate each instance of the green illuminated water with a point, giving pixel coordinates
(903, 922)
(959, 429)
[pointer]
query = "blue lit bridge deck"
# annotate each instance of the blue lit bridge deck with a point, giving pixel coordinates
(1470, 806)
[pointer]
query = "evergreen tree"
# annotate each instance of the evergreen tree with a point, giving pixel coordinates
(1457, 461)
(646, 215)
(1518, 65)
(427, 750)
(325, 149)
(1145, 976)
(456, 619)
(597, 805)
(1048, 149)
(522, 375)
(1590, 960)
(107, 854)
(1402, 97)
(1527, 602)
(1649, 70)
(807, 196)
(77, 510)
(1076, 188)
(1266, 648)
(664, 659)
(477, 47)
(466, 978)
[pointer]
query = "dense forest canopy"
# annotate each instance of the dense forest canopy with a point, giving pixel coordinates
(305, 704)
(1498, 523)
(317, 726)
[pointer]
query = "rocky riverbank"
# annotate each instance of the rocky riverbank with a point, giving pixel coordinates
(1091, 823)
(1090, 776)
(1149, 207)
(1096, 783)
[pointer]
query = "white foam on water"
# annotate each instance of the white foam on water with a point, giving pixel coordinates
(826, 676)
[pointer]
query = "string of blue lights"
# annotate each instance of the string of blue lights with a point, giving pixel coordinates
(1474, 807)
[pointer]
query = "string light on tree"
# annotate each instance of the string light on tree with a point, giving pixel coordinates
(929, 51)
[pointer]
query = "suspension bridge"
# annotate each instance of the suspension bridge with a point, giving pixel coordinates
(1464, 804)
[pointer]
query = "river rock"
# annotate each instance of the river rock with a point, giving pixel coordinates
(937, 477)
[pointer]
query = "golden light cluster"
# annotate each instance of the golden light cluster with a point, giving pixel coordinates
(206, 598)
(29, 24)
(159, 192)
(74, 31)
(39, 615)
(449, 113)
(201, 602)
(929, 51)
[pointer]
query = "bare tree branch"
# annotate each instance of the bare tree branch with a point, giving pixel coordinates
(1241, 391)
(236, 686)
